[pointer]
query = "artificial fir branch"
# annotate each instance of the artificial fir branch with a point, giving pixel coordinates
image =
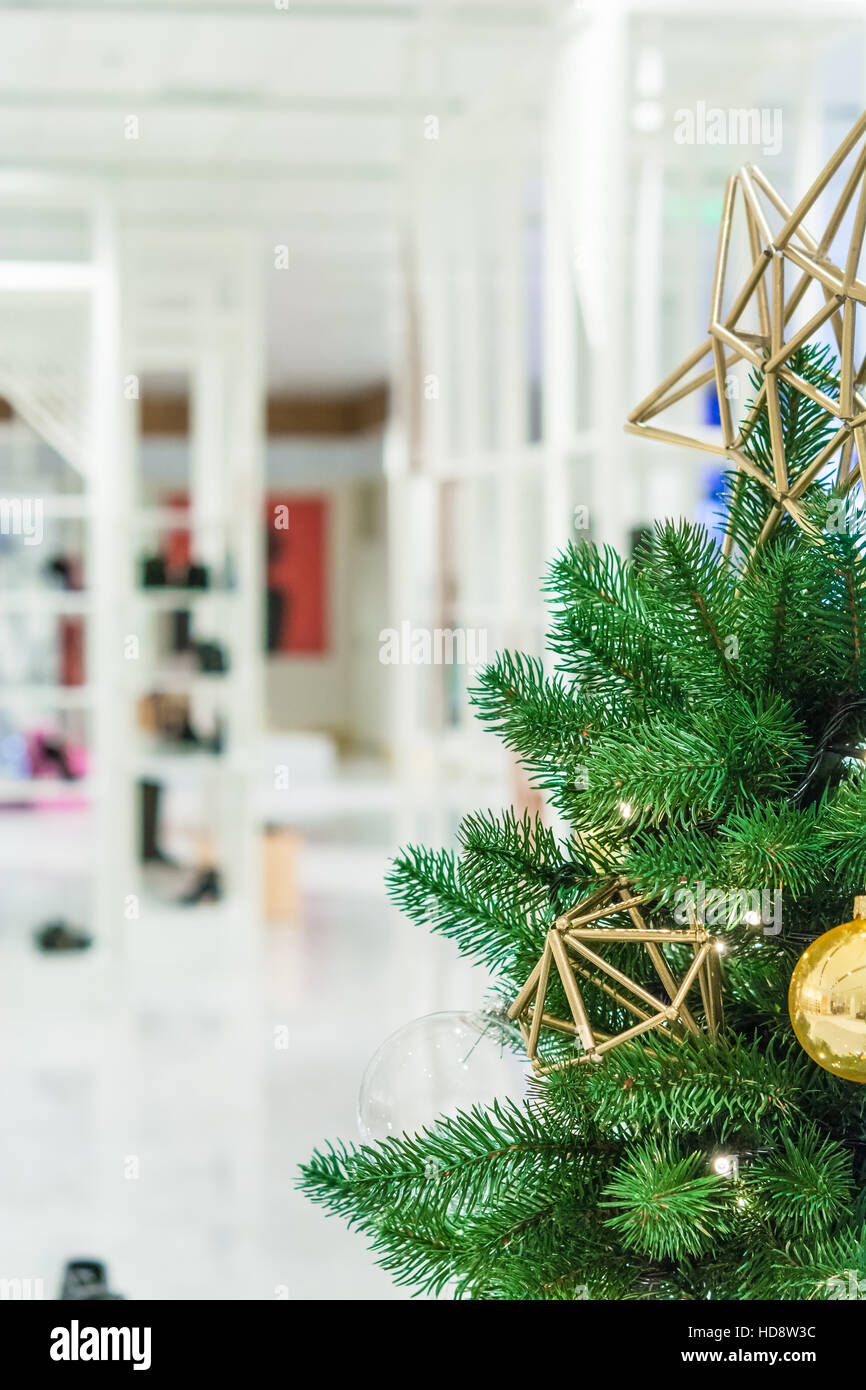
(772, 844)
(601, 633)
(539, 718)
(690, 593)
(805, 1269)
(806, 1185)
(701, 729)
(666, 1203)
(502, 853)
(661, 864)
(431, 888)
(806, 428)
(842, 831)
(736, 1090)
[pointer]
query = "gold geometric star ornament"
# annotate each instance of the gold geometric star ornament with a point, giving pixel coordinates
(574, 953)
(797, 284)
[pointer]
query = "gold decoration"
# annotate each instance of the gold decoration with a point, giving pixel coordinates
(572, 948)
(786, 263)
(827, 998)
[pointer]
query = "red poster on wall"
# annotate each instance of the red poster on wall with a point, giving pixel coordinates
(297, 567)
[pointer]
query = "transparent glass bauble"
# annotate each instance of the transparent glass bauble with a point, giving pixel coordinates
(437, 1065)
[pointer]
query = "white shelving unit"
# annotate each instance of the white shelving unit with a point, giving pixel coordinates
(71, 333)
(193, 312)
(184, 967)
(59, 369)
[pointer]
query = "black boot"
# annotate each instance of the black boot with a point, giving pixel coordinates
(149, 824)
(207, 888)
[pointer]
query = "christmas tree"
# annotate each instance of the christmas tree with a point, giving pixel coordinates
(700, 735)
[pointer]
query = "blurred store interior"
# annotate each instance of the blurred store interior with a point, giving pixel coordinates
(319, 324)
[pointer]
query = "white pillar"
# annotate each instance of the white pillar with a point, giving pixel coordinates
(209, 388)
(244, 486)
(586, 185)
(110, 445)
(511, 397)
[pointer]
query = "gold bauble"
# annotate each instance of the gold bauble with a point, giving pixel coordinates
(827, 999)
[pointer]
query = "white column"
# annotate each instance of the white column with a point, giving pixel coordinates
(563, 242)
(209, 388)
(586, 179)
(113, 421)
(664, 484)
(511, 394)
(246, 394)
(109, 462)
(466, 308)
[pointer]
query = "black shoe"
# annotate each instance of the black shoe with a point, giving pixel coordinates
(211, 657)
(85, 1280)
(54, 751)
(189, 737)
(197, 577)
(59, 936)
(206, 889)
(59, 569)
(153, 572)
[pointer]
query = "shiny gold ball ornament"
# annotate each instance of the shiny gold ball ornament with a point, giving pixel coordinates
(827, 998)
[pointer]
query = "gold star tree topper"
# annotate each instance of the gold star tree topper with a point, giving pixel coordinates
(797, 284)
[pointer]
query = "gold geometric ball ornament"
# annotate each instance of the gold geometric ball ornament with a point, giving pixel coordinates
(575, 954)
(827, 998)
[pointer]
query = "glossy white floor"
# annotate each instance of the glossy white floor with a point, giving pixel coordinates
(153, 1116)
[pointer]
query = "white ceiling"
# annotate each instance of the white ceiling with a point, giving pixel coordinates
(306, 121)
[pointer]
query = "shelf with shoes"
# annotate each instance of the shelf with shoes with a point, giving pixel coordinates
(58, 454)
(122, 560)
(175, 735)
(189, 593)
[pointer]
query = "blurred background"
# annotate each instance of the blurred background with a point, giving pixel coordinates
(319, 324)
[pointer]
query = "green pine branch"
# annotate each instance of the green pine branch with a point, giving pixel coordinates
(702, 732)
(666, 1203)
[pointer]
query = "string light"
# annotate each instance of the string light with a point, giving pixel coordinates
(726, 1165)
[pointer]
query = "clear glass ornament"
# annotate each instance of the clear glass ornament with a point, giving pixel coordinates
(437, 1065)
